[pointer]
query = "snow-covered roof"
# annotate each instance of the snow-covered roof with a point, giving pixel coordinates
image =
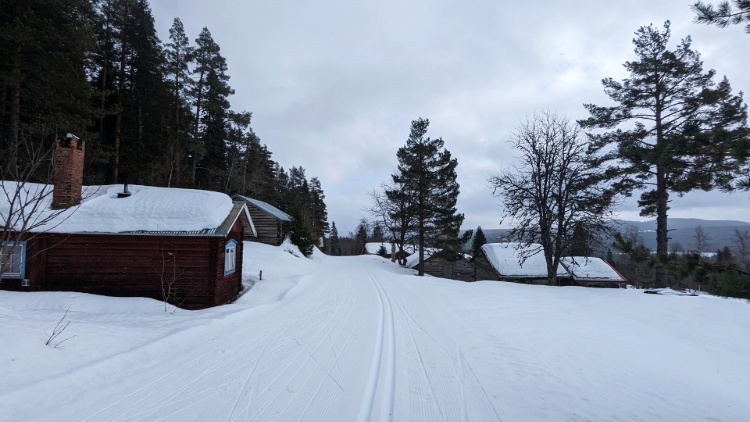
(590, 268)
(147, 210)
(266, 207)
(504, 257)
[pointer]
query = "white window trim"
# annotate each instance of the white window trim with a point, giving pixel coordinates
(22, 256)
(230, 257)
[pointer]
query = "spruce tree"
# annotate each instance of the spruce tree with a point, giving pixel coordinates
(427, 173)
(300, 232)
(673, 128)
(335, 243)
(478, 240)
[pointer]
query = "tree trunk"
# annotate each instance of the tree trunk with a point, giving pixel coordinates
(195, 130)
(662, 233)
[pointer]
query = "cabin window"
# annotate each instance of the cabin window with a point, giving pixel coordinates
(13, 259)
(230, 257)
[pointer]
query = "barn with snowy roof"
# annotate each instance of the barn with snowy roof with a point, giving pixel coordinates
(179, 245)
(515, 262)
(271, 224)
(592, 272)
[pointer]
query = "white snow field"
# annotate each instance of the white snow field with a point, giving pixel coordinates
(359, 339)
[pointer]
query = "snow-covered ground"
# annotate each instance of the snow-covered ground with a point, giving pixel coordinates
(358, 338)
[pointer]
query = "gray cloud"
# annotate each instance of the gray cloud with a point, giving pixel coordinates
(334, 85)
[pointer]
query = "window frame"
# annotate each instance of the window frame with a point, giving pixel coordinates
(230, 257)
(22, 255)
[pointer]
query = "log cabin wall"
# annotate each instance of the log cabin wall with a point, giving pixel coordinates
(176, 268)
(483, 270)
(270, 229)
(454, 270)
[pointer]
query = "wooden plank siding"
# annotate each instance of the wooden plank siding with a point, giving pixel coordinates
(270, 229)
(188, 270)
(483, 270)
(454, 270)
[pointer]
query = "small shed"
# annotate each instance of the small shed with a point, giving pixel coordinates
(271, 223)
(438, 266)
(592, 272)
(503, 261)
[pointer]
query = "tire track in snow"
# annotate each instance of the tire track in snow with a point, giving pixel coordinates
(381, 379)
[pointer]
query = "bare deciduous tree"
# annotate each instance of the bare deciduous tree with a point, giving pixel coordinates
(555, 187)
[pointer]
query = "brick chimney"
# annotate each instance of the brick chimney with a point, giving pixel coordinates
(68, 172)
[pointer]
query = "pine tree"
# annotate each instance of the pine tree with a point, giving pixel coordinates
(427, 173)
(132, 93)
(335, 243)
(44, 45)
(179, 56)
(478, 240)
(682, 131)
(210, 92)
(724, 14)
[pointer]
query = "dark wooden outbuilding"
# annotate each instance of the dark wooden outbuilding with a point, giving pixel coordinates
(592, 272)
(271, 224)
(500, 261)
(187, 269)
(460, 269)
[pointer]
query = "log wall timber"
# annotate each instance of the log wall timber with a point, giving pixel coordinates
(483, 270)
(188, 271)
(454, 270)
(270, 229)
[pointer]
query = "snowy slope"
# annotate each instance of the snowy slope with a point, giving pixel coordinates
(359, 338)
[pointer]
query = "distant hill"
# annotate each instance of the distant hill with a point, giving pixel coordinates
(682, 231)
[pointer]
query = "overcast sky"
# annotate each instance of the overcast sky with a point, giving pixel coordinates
(334, 85)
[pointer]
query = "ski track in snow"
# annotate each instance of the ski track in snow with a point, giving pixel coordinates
(357, 338)
(381, 379)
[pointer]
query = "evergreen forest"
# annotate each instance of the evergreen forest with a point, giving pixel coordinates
(151, 112)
